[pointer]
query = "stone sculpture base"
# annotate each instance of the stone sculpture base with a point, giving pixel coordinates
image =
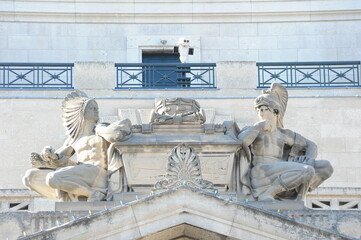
(279, 205)
(177, 206)
(125, 198)
(145, 155)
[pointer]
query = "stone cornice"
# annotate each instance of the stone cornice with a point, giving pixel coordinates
(179, 18)
(173, 11)
(185, 205)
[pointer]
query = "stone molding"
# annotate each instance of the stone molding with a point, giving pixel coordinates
(332, 198)
(185, 205)
(178, 12)
(323, 198)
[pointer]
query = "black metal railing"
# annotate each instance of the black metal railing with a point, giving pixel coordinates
(36, 75)
(182, 75)
(309, 74)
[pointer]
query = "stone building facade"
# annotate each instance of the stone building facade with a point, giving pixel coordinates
(94, 35)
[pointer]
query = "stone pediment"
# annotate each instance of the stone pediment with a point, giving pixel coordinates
(185, 213)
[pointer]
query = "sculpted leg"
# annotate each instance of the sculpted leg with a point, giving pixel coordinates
(66, 183)
(34, 179)
(299, 176)
(269, 194)
(323, 170)
(80, 180)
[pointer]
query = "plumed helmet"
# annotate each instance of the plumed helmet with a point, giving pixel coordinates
(275, 97)
(268, 100)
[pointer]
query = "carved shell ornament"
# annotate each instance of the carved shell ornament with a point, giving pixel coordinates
(183, 169)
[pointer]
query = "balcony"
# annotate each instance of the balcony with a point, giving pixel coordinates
(36, 75)
(191, 76)
(164, 76)
(309, 74)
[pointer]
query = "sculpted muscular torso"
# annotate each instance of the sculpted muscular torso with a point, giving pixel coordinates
(92, 150)
(272, 170)
(91, 142)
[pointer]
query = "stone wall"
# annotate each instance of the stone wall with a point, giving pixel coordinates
(261, 42)
(63, 31)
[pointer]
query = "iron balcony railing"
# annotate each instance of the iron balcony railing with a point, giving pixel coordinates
(309, 74)
(36, 75)
(161, 76)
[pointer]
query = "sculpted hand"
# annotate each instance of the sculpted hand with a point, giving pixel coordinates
(48, 154)
(305, 160)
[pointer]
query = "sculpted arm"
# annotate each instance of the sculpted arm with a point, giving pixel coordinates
(115, 132)
(59, 157)
(64, 153)
(248, 135)
(309, 148)
(302, 149)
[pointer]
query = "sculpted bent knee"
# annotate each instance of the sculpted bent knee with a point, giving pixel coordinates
(57, 177)
(278, 163)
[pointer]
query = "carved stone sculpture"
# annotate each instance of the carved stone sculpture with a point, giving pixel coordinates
(56, 176)
(184, 168)
(177, 111)
(278, 163)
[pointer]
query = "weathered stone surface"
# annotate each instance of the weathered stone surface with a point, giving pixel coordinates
(278, 205)
(184, 168)
(177, 111)
(277, 163)
(274, 163)
(217, 216)
(145, 154)
(84, 206)
(95, 71)
(57, 177)
(135, 157)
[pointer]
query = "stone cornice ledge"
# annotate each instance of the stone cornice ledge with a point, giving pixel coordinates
(180, 18)
(185, 205)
